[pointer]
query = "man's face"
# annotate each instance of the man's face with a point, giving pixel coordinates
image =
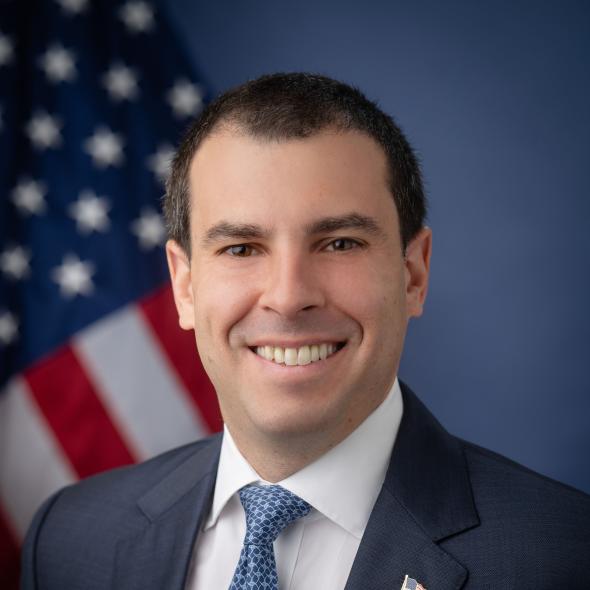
(296, 253)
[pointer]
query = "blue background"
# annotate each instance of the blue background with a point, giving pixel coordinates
(495, 97)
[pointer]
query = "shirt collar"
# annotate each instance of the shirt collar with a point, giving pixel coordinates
(339, 479)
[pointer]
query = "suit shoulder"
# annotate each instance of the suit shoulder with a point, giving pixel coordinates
(112, 496)
(507, 486)
(533, 532)
(82, 523)
(131, 481)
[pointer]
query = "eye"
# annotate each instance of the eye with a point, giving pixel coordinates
(240, 250)
(342, 244)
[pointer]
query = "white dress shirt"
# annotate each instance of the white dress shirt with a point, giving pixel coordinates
(318, 550)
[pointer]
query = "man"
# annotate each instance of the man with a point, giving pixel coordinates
(298, 253)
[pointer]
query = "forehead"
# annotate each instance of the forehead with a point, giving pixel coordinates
(330, 173)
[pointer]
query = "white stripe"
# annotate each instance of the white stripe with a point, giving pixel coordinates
(137, 384)
(32, 466)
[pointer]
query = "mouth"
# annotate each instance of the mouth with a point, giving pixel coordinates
(299, 356)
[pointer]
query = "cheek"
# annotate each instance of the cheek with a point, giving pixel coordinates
(219, 304)
(373, 296)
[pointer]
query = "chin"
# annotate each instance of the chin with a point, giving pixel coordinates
(285, 424)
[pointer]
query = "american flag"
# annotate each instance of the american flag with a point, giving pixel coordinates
(94, 372)
(411, 584)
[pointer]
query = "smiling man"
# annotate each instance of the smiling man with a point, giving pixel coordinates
(298, 254)
(295, 250)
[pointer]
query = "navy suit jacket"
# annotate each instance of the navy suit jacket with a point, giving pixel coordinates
(450, 514)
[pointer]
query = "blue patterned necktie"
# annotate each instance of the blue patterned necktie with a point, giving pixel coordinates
(269, 509)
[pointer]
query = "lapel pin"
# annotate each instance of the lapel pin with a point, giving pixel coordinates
(411, 584)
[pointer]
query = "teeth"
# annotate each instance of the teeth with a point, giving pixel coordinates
(269, 353)
(304, 356)
(290, 356)
(315, 353)
(296, 356)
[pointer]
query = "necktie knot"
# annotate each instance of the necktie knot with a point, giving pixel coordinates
(269, 509)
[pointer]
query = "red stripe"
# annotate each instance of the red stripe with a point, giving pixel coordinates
(76, 415)
(180, 348)
(9, 555)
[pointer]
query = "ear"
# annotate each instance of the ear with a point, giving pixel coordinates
(417, 262)
(180, 273)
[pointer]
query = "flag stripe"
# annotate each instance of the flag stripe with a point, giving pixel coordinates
(32, 466)
(180, 348)
(137, 383)
(9, 555)
(79, 420)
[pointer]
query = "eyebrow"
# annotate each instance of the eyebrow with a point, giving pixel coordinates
(235, 231)
(225, 230)
(348, 221)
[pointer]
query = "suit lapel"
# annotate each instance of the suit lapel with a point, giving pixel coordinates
(159, 555)
(426, 497)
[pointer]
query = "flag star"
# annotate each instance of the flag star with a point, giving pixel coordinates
(6, 50)
(121, 82)
(185, 98)
(149, 229)
(73, 6)
(44, 131)
(159, 162)
(90, 213)
(105, 148)
(58, 64)
(29, 197)
(138, 16)
(74, 276)
(8, 328)
(14, 263)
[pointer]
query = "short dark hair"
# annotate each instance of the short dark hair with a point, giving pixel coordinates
(298, 105)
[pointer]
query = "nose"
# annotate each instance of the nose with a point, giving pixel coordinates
(292, 285)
